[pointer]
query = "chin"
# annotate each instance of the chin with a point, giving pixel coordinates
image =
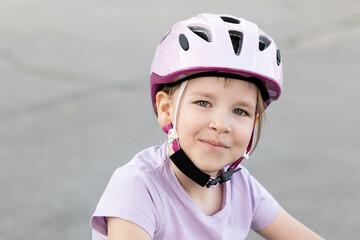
(210, 163)
(210, 168)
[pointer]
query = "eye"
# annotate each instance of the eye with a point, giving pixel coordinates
(203, 103)
(239, 112)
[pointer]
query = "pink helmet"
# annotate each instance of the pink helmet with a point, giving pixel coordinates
(220, 44)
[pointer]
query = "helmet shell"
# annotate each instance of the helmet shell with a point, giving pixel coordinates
(220, 43)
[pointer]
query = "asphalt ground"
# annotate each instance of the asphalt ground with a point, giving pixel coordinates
(75, 105)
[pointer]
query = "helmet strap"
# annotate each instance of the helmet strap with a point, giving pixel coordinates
(187, 167)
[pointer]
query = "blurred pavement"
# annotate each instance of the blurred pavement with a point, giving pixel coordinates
(75, 105)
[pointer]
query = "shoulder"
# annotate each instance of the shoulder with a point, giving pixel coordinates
(262, 204)
(140, 168)
(132, 194)
(141, 172)
(244, 181)
(148, 160)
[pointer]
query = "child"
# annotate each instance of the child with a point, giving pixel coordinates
(211, 79)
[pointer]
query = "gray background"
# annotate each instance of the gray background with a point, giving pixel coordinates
(74, 105)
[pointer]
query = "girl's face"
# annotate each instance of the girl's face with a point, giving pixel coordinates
(215, 120)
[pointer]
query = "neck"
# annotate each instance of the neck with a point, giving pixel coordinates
(209, 200)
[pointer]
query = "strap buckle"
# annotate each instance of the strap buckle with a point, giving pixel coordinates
(226, 176)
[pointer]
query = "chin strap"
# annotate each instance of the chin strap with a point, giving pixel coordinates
(187, 167)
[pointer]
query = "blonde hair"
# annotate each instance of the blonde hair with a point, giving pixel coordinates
(170, 90)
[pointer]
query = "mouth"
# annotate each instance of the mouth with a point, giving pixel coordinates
(214, 145)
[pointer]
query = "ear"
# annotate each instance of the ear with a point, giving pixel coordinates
(163, 107)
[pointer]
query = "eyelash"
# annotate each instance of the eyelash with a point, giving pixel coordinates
(206, 104)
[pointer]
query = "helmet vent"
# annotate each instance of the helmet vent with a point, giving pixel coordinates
(278, 57)
(230, 20)
(264, 42)
(201, 32)
(236, 40)
(184, 43)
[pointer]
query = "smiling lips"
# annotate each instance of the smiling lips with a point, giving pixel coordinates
(214, 144)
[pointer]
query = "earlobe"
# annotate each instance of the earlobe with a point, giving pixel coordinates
(163, 108)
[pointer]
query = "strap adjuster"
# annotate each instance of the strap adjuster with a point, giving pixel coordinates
(226, 176)
(172, 135)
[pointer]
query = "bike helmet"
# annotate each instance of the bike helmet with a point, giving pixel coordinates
(215, 45)
(221, 44)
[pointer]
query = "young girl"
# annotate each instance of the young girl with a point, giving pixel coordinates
(211, 79)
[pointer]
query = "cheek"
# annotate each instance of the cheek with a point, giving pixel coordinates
(189, 120)
(243, 135)
(188, 126)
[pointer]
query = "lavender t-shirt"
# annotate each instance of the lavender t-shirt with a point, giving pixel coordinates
(146, 191)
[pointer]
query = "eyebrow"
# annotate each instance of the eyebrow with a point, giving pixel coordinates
(203, 94)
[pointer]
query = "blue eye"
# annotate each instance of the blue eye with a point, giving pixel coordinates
(203, 103)
(239, 112)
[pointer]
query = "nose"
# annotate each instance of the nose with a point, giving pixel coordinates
(220, 123)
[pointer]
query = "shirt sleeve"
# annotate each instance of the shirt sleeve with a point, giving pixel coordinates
(264, 207)
(126, 196)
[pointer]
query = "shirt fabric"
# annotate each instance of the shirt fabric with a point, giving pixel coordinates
(147, 192)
